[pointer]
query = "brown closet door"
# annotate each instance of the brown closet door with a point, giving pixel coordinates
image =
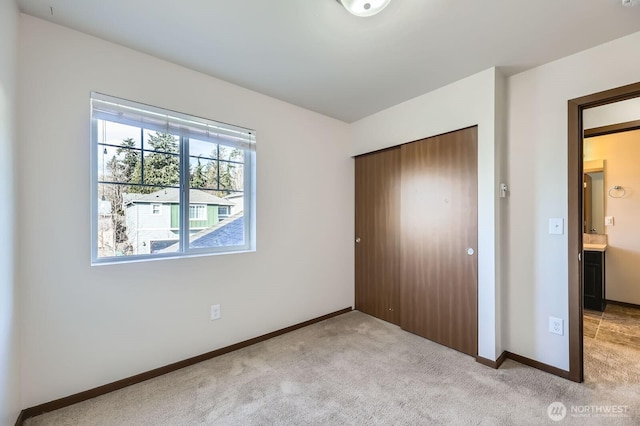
(439, 223)
(377, 247)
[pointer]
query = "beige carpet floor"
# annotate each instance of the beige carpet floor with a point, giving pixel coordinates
(356, 370)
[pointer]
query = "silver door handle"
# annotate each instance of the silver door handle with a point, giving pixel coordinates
(357, 239)
(579, 257)
(470, 251)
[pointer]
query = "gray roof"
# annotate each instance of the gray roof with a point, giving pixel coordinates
(229, 232)
(172, 195)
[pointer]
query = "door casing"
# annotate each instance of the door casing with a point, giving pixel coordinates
(574, 221)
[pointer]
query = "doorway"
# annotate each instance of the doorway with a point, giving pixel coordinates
(576, 224)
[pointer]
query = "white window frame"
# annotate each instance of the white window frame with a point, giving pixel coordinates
(109, 108)
(198, 208)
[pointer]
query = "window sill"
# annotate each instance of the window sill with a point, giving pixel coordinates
(143, 258)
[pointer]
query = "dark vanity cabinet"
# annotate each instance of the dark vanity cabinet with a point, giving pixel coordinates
(594, 270)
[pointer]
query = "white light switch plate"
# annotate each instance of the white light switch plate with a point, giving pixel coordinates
(608, 220)
(556, 226)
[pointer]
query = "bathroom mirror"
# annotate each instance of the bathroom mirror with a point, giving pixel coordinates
(593, 199)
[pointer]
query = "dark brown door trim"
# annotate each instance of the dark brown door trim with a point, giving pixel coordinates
(614, 128)
(574, 221)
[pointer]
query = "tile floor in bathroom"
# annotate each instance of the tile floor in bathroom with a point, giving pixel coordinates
(617, 324)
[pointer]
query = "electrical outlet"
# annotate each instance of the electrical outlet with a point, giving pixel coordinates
(556, 326)
(215, 312)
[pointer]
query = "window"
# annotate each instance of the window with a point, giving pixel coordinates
(197, 212)
(223, 212)
(188, 172)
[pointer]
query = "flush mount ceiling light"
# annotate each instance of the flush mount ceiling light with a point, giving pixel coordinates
(364, 7)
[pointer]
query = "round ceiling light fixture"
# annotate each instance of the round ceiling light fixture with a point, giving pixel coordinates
(364, 7)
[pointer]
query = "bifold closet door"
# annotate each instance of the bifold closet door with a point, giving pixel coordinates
(439, 238)
(377, 244)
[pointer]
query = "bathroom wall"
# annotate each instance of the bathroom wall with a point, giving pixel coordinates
(621, 152)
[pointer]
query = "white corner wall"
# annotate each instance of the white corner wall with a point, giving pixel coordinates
(9, 324)
(468, 102)
(537, 137)
(86, 326)
(501, 217)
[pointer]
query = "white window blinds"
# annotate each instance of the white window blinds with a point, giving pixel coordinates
(118, 110)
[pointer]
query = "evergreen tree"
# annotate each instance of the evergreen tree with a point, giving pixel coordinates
(131, 159)
(197, 178)
(226, 175)
(211, 171)
(161, 167)
(231, 177)
(223, 175)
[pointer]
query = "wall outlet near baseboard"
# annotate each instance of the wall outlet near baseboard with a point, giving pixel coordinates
(556, 326)
(215, 312)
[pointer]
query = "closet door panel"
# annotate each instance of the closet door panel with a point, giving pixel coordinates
(377, 224)
(439, 234)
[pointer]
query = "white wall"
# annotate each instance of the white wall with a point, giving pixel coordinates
(606, 115)
(501, 217)
(537, 134)
(86, 326)
(621, 152)
(9, 343)
(468, 102)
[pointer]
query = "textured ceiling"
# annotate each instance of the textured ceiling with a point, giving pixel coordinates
(314, 54)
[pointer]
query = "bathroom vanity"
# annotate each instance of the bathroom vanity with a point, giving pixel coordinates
(594, 276)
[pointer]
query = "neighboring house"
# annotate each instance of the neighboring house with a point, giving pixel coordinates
(238, 203)
(153, 220)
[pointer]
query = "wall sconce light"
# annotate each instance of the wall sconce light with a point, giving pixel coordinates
(364, 7)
